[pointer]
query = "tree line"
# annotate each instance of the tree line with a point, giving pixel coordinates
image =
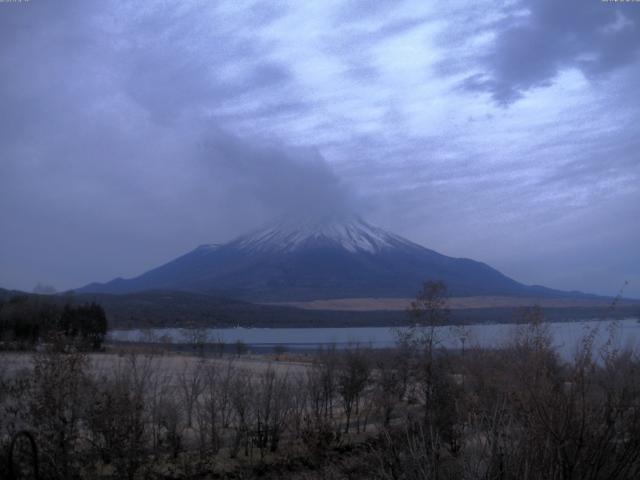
(29, 319)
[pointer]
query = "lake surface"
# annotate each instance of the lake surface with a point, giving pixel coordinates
(566, 335)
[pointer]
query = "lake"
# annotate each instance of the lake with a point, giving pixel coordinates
(566, 335)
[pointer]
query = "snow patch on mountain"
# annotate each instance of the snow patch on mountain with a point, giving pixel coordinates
(209, 247)
(353, 235)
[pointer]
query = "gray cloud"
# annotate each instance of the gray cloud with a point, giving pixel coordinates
(541, 38)
(358, 9)
(289, 181)
(183, 62)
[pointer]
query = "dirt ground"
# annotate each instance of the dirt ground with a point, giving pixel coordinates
(12, 363)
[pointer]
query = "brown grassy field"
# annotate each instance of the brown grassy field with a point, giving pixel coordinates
(373, 304)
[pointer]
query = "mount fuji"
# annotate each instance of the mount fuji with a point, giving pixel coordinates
(320, 259)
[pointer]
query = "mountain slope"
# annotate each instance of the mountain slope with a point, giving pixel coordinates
(309, 260)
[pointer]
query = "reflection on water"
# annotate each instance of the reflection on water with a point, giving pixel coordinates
(566, 335)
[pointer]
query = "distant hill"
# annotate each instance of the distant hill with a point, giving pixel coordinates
(315, 260)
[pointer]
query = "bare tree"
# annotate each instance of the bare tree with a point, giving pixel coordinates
(353, 376)
(389, 382)
(242, 403)
(215, 408)
(272, 406)
(196, 337)
(429, 311)
(190, 382)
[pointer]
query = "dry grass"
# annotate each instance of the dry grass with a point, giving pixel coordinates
(169, 364)
(373, 304)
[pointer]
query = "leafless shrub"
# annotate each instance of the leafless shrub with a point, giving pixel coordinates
(171, 425)
(214, 407)
(243, 409)
(190, 383)
(219, 345)
(389, 383)
(118, 420)
(322, 383)
(272, 408)
(299, 404)
(240, 348)
(353, 376)
(57, 403)
(196, 337)
(14, 412)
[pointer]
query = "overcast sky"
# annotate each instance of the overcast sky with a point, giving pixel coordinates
(507, 132)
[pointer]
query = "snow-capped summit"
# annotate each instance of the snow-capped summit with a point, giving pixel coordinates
(352, 234)
(338, 257)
